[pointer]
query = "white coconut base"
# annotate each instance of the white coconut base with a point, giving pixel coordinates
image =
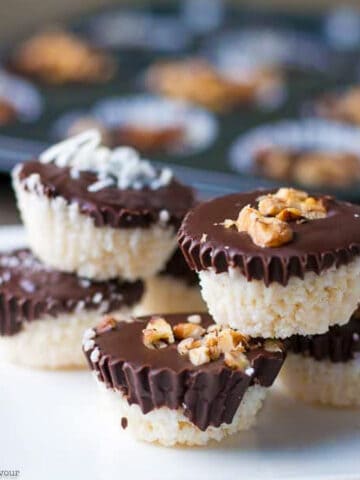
(53, 342)
(304, 307)
(170, 427)
(321, 382)
(65, 239)
(165, 294)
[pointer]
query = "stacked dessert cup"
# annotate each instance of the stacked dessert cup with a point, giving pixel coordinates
(283, 264)
(99, 222)
(278, 271)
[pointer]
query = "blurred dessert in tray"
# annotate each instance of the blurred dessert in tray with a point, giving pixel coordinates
(343, 106)
(311, 168)
(7, 112)
(145, 140)
(148, 140)
(199, 81)
(60, 57)
(148, 123)
(19, 100)
(311, 152)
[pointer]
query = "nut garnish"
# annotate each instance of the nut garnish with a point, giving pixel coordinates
(186, 330)
(187, 344)
(264, 231)
(269, 225)
(199, 355)
(199, 344)
(294, 200)
(158, 333)
(194, 319)
(236, 360)
(229, 340)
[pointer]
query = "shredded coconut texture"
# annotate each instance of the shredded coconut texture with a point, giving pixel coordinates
(171, 427)
(122, 167)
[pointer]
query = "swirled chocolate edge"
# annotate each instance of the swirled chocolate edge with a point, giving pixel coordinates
(209, 394)
(339, 345)
(109, 206)
(29, 291)
(317, 245)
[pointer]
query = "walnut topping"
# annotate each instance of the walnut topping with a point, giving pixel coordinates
(199, 355)
(199, 344)
(194, 319)
(158, 333)
(187, 344)
(289, 215)
(186, 330)
(236, 360)
(268, 226)
(296, 203)
(229, 340)
(264, 231)
(106, 323)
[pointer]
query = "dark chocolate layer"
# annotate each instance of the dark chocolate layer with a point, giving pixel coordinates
(317, 244)
(111, 206)
(177, 268)
(339, 344)
(209, 394)
(29, 290)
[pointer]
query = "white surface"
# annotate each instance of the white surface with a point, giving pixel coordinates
(53, 428)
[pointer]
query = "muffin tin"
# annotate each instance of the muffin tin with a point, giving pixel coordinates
(304, 80)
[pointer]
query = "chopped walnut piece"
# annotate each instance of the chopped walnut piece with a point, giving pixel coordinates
(264, 231)
(289, 215)
(270, 206)
(106, 323)
(313, 209)
(194, 319)
(270, 232)
(272, 346)
(186, 330)
(214, 328)
(268, 226)
(236, 360)
(158, 333)
(200, 355)
(291, 195)
(229, 340)
(187, 344)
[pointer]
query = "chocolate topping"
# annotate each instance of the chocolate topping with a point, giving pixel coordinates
(111, 206)
(317, 244)
(29, 290)
(178, 268)
(339, 344)
(209, 394)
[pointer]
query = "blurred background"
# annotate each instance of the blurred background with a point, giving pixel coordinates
(232, 94)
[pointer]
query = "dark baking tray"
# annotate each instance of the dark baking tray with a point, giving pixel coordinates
(210, 168)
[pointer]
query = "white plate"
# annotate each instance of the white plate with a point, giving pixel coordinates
(52, 429)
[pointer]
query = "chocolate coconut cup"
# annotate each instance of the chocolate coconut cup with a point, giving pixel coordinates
(325, 368)
(112, 214)
(300, 287)
(165, 397)
(43, 312)
(175, 289)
